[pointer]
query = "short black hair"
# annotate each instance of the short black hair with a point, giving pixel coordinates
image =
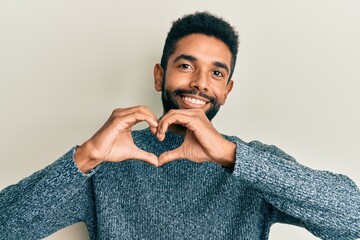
(203, 23)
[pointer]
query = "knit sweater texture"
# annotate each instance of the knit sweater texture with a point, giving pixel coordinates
(182, 199)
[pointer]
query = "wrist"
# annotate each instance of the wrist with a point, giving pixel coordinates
(228, 158)
(83, 158)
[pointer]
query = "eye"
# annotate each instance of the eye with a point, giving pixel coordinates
(185, 66)
(218, 73)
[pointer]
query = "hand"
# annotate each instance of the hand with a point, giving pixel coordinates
(114, 143)
(202, 142)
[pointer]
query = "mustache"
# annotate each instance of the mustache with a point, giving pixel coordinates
(194, 92)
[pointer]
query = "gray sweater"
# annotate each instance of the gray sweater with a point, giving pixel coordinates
(182, 199)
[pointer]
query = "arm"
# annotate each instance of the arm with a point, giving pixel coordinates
(61, 194)
(327, 204)
(47, 201)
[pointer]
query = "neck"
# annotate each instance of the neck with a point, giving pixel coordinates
(178, 129)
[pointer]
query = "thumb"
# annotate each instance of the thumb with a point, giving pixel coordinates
(146, 156)
(169, 156)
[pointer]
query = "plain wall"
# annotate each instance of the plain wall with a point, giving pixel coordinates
(65, 65)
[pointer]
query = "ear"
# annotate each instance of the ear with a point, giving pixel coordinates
(158, 77)
(228, 89)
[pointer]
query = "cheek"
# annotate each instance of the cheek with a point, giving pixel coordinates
(221, 95)
(174, 81)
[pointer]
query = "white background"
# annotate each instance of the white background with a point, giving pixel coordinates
(65, 65)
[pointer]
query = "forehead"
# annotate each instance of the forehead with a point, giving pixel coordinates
(204, 48)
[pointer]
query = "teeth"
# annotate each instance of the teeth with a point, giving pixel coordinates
(194, 100)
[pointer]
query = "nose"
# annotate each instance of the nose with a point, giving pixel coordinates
(200, 82)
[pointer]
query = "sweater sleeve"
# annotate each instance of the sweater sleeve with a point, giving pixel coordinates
(48, 200)
(327, 204)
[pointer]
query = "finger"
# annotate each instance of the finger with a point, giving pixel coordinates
(174, 117)
(131, 119)
(141, 113)
(146, 156)
(166, 121)
(153, 130)
(170, 156)
(114, 127)
(125, 111)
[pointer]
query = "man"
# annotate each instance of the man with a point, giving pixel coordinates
(180, 178)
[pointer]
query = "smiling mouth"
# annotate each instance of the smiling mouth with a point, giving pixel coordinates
(194, 100)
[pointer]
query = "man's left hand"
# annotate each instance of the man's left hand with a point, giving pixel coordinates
(203, 143)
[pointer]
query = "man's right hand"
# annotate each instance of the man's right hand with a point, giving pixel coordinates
(114, 143)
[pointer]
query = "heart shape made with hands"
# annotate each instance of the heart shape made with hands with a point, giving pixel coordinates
(114, 143)
(182, 152)
(202, 142)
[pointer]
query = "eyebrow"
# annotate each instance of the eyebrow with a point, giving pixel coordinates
(193, 59)
(185, 57)
(222, 65)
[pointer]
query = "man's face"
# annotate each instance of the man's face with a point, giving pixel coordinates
(196, 76)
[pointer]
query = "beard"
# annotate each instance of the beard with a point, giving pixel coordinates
(169, 100)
